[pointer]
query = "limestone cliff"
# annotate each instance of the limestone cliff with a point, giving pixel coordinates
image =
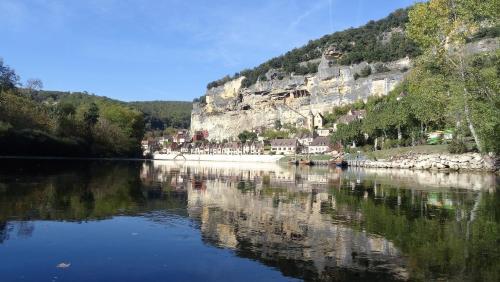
(231, 108)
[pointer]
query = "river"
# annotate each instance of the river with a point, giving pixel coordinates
(174, 221)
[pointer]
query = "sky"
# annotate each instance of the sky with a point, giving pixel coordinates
(138, 50)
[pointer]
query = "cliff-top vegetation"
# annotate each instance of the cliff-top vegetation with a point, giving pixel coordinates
(377, 41)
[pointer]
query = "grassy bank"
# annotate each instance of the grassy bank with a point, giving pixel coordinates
(422, 149)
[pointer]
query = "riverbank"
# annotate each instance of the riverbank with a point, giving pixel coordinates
(459, 162)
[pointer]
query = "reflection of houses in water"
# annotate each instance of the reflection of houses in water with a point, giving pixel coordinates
(272, 226)
(289, 217)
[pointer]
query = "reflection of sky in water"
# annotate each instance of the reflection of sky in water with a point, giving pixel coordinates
(225, 221)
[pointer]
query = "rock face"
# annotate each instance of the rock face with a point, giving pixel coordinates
(231, 108)
(468, 161)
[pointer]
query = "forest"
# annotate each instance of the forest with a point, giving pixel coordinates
(78, 124)
(448, 88)
(164, 115)
(46, 123)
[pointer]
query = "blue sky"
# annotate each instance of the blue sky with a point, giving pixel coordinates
(162, 49)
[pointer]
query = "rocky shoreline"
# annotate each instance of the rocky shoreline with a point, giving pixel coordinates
(459, 162)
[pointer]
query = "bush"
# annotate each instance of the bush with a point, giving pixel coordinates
(390, 143)
(367, 148)
(379, 68)
(366, 71)
(457, 147)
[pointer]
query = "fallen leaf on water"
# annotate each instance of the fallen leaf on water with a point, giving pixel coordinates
(63, 265)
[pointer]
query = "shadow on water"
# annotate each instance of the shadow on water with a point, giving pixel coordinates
(308, 223)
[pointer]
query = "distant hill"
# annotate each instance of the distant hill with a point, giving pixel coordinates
(163, 114)
(158, 114)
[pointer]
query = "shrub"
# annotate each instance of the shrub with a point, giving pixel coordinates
(389, 143)
(366, 71)
(379, 68)
(457, 146)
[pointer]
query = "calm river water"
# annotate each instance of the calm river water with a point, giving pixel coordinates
(165, 221)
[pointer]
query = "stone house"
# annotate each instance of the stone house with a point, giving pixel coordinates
(245, 148)
(284, 146)
(232, 148)
(257, 148)
(324, 132)
(217, 149)
(181, 137)
(186, 148)
(351, 116)
(318, 120)
(320, 145)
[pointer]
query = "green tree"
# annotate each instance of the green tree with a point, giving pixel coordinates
(348, 133)
(9, 80)
(441, 28)
(91, 116)
(247, 136)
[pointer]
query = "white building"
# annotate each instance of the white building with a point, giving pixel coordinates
(284, 146)
(320, 145)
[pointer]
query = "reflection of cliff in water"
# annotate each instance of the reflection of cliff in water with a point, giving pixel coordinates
(293, 232)
(328, 224)
(313, 223)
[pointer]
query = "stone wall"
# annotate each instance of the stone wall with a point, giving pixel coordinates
(468, 161)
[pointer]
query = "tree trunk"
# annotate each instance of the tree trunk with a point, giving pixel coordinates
(375, 144)
(400, 135)
(467, 111)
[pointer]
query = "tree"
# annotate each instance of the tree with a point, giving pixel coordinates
(441, 28)
(34, 85)
(8, 77)
(347, 133)
(91, 116)
(247, 136)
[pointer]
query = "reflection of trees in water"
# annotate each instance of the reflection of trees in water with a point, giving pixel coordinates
(4, 232)
(315, 224)
(76, 192)
(434, 229)
(442, 231)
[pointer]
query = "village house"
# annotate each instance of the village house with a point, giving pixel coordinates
(318, 121)
(231, 148)
(245, 148)
(182, 136)
(351, 116)
(200, 135)
(305, 139)
(323, 132)
(320, 145)
(186, 148)
(257, 148)
(284, 146)
(217, 149)
(164, 140)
